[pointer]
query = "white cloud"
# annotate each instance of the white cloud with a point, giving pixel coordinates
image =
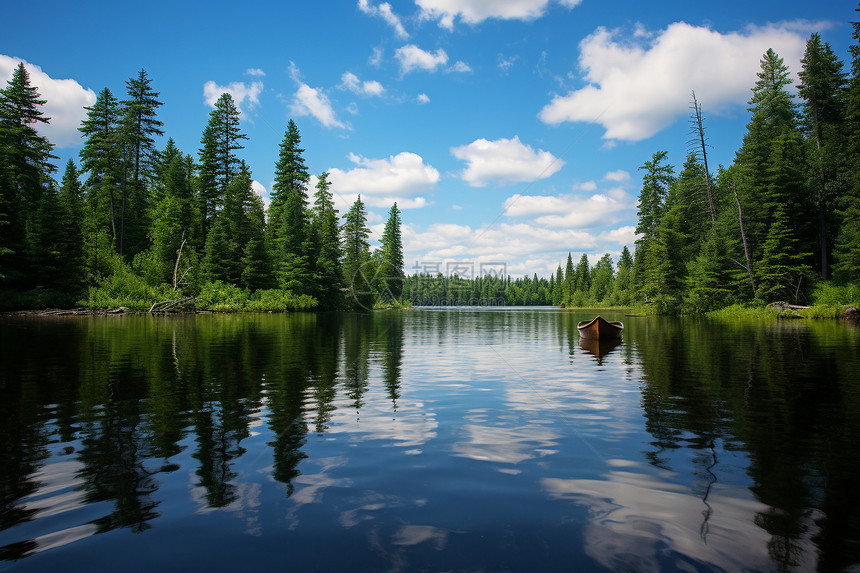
(255, 72)
(460, 67)
(423, 98)
(311, 101)
(381, 182)
(586, 186)
(504, 161)
(261, 190)
(640, 85)
(618, 176)
(384, 11)
(376, 58)
(411, 57)
(506, 64)
(240, 92)
(350, 81)
(571, 211)
(476, 11)
(65, 102)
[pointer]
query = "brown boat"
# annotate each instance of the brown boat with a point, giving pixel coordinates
(600, 329)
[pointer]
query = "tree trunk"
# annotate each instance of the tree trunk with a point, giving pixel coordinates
(744, 238)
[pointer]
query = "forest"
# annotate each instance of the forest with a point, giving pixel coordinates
(145, 228)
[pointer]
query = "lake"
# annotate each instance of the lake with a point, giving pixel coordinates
(427, 440)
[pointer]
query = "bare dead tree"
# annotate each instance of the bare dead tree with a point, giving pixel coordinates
(700, 146)
(744, 238)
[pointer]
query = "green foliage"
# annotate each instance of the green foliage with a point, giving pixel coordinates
(125, 288)
(827, 293)
(225, 297)
(391, 265)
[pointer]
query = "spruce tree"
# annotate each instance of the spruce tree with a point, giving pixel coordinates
(823, 90)
(289, 231)
(25, 168)
(391, 269)
(328, 263)
(846, 252)
(138, 128)
(569, 284)
(101, 158)
(356, 257)
(219, 164)
(655, 187)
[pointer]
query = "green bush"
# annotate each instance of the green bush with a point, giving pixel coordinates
(827, 293)
(221, 296)
(125, 288)
(277, 300)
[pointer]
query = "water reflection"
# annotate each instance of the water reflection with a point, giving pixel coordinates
(691, 445)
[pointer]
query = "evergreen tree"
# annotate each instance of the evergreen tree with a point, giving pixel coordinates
(769, 162)
(328, 263)
(219, 164)
(621, 294)
(569, 285)
(72, 204)
(101, 159)
(822, 88)
(583, 279)
(138, 127)
(846, 252)
(781, 273)
(602, 278)
(25, 168)
(655, 187)
(257, 268)
(391, 269)
(289, 232)
(356, 256)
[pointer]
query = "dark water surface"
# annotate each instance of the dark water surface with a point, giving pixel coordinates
(427, 440)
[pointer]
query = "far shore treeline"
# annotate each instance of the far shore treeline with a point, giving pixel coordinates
(133, 225)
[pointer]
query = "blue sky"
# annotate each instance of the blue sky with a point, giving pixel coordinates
(508, 131)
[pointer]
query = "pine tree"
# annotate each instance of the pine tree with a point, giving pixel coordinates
(356, 250)
(391, 269)
(25, 168)
(138, 127)
(769, 162)
(846, 251)
(569, 284)
(602, 278)
(328, 263)
(101, 159)
(621, 294)
(219, 164)
(655, 187)
(289, 234)
(72, 204)
(582, 280)
(823, 90)
(781, 273)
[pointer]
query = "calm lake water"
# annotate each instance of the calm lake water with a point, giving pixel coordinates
(427, 440)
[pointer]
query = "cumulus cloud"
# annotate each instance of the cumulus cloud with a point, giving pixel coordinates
(504, 161)
(350, 81)
(255, 72)
(476, 11)
(261, 190)
(313, 102)
(66, 99)
(639, 85)
(460, 67)
(411, 58)
(383, 10)
(572, 211)
(618, 176)
(245, 96)
(423, 98)
(381, 182)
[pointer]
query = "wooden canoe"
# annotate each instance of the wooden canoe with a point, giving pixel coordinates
(600, 329)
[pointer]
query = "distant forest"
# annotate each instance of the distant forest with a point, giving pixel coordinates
(148, 228)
